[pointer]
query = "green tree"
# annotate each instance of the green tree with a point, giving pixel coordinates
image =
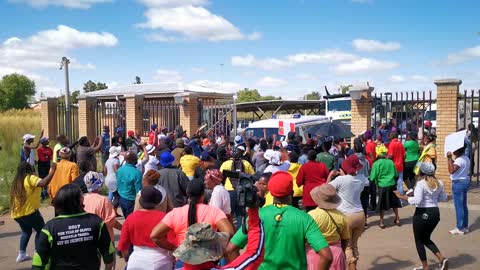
(16, 91)
(313, 96)
(270, 98)
(343, 89)
(248, 95)
(91, 86)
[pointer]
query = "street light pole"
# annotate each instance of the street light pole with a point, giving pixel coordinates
(68, 113)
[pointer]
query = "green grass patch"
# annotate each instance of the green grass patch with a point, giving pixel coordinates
(13, 125)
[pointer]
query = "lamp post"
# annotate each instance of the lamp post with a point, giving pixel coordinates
(68, 113)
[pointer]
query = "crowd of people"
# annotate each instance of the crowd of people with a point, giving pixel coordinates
(181, 210)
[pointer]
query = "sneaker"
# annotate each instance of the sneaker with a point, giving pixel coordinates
(23, 257)
(443, 265)
(456, 232)
(409, 192)
(466, 230)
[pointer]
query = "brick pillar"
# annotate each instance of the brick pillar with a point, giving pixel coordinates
(447, 122)
(361, 109)
(49, 117)
(188, 112)
(86, 117)
(134, 112)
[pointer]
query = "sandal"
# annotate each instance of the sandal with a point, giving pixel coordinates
(397, 222)
(382, 226)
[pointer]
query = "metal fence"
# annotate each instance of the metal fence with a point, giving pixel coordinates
(218, 118)
(62, 121)
(404, 110)
(468, 113)
(109, 113)
(164, 113)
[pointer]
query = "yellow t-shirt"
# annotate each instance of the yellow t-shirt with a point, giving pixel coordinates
(227, 165)
(327, 226)
(293, 170)
(268, 199)
(188, 163)
(32, 193)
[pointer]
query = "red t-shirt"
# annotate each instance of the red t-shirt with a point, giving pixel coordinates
(397, 154)
(370, 150)
(153, 138)
(137, 228)
(44, 154)
(311, 174)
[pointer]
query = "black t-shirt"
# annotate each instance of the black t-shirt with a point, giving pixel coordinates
(73, 242)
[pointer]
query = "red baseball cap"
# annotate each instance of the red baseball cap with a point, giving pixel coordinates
(280, 184)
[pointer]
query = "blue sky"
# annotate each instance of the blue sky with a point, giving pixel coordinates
(281, 47)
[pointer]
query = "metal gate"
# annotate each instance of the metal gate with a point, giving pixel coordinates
(219, 119)
(406, 111)
(164, 113)
(62, 121)
(468, 112)
(111, 114)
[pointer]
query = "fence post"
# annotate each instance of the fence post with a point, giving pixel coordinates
(49, 117)
(134, 112)
(447, 122)
(86, 117)
(361, 109)
(188, 111)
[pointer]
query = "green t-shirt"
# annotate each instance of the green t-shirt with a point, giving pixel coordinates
(285, 239)
(383, 172)
(411, 150)
(327, 159)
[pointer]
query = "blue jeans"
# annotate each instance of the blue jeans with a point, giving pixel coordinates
(459, 191)
(400, 182)
(127, 206)
(27, 223)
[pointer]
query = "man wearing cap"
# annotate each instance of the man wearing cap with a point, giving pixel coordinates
(129, 183)
(132, 143)
(105, 143)
(27, 154)
(65, 174)
(173, 180)
(287, 229)
(178, 151)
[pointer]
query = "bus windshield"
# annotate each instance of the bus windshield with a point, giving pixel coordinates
(339, 105)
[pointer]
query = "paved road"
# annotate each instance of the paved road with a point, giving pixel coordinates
(389, 249)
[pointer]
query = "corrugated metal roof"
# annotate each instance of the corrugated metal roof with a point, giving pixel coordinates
(157, 89)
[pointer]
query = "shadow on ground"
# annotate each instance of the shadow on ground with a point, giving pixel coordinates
(9, 234)
(391, 264)
(461, 260)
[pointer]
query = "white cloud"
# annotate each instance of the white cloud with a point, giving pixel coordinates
(271, 82)
(46, 48)
(304, 76)
(397, 78)
(81, 4)
(364, 65)
(167, 76)
(419, 78)
(112, 84)
(368, 45)
(322, 57)
(464, 55)
(189, 20)
(231, 87)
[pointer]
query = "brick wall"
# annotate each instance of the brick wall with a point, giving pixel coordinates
(49, 117)
(189, 114)
(134, 113)
(362, 111)
(86, 117)
(447, 122)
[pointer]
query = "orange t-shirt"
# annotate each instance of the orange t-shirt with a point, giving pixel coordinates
(65, 173)
(177, 219)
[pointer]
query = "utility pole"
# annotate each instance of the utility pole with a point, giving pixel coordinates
(68, 112)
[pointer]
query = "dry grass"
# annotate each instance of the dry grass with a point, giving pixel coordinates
(13, 125)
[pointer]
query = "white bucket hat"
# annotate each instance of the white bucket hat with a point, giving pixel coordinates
(114, 151)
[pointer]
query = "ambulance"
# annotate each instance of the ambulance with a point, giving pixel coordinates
(282, 124)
